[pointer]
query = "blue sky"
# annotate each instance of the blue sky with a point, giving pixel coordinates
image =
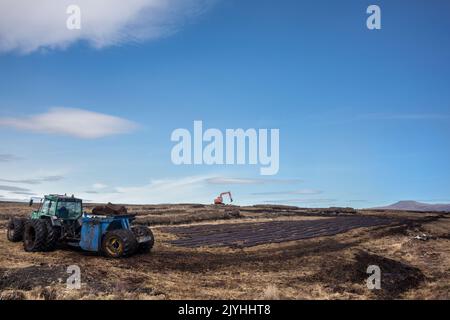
(364, 116)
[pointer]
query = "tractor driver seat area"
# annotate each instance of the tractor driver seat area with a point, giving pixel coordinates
(72, 222)
(63, 213)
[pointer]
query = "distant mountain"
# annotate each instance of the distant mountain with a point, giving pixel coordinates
(416, 206)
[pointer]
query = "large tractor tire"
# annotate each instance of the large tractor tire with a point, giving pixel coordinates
(16, 227)
(52, 236)
(35, 235)
(143, 232)
(119, 243)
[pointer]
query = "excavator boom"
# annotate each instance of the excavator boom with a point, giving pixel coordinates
(219, 199)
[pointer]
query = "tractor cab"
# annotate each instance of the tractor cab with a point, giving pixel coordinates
(59, 206)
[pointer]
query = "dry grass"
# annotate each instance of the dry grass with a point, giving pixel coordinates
(318, 268)
(271, 292)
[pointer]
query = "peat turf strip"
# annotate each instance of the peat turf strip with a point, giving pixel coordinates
(252, 234)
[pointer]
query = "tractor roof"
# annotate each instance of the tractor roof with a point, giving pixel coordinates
(58, 197)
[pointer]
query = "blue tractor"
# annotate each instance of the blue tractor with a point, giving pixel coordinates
(60, 220)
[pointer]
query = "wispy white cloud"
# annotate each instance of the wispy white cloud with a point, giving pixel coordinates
(302, 200)
(13, 189)
(24, 193)
(192, 189)
(73, 122)
(99, 185)
(6, 157)
(21, 184)
(403, 116)
(177, 190)
(34, 180)
(243, 181)
(101, 188)
(292, 192)
(26, 26)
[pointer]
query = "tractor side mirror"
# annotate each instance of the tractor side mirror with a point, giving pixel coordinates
(31, 202)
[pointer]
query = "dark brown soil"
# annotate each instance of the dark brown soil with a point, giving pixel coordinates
(253, 234)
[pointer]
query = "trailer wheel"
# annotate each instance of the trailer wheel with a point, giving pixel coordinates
(119, 243)
(16, 227)
(52, 236)
(143, 232)
(35, 235)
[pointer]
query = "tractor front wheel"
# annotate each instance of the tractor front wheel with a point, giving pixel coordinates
(16, 227)
(35, 235)
(119, 243)
(52, 236)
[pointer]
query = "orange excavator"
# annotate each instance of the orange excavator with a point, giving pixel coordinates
(219, 199)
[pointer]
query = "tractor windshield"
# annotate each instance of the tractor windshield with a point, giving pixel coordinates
(69, 209)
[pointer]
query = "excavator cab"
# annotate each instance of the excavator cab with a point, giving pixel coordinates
(219, 199)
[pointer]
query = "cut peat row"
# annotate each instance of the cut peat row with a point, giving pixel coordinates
(253, 234)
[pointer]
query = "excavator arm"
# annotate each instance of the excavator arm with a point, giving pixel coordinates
(219, 199)
(227, 193)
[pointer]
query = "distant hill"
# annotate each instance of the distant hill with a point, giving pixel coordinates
(416, 206)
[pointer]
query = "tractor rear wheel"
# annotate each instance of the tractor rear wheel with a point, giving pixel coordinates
(35, 235)
(52, 236)
(143, 232)
(119, 243)
(16, 227)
